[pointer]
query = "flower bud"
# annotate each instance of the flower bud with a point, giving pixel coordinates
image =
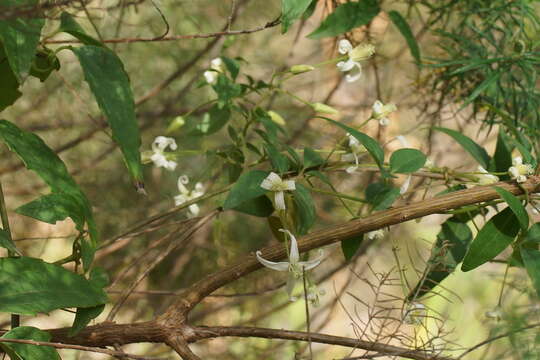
(325, 109)
(176, 124)
(298, 69)
(276, 118)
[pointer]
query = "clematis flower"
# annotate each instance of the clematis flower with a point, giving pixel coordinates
(160, 144)
(405, 186)
(186, 195)
(356, 149)
(375, 234)
(216, 67)
(486, 178)
(357, 54)
(381, 112)
(415, 313)
(519, 170)
(273, 182)
(294, 266)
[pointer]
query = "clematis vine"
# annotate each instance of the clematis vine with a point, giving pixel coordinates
(356, 150)
(160, 144)
(186, 195)
(519, 170)
(355, 55)
(486, 178)
(294, 266)
(273, 182)
(381, 112)
(216, 67)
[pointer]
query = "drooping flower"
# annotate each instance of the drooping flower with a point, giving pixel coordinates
(381, 112)
(294, 266)
(375, 234)
(486, 178)
(186, 195)
(160, 144)
(216, 67)
(273, 182)
(415, 313)
(356, 149)
(355, 55)
(519, 170)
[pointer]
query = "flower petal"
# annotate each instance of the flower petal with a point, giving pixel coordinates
(294, 255)
(289, 185)
(280, 200)
(194, 208)
(271, 181)
(403, 189)
(279, 266)
(344, 46)
(291, 281)
(310, 264)
(345, 66)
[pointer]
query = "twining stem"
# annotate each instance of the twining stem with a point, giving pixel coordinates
(15, 319)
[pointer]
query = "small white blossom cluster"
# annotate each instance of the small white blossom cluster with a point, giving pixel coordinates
(355, 55)
(381, 112)
(519, 171)
(158, 157)
(273, 182)
(187, 195)
(216, 67)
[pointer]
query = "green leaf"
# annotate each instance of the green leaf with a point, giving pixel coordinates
(226, 90)
(279, 161)
(305, 214)
(347, 17)
(29, 286)
(54, 207)
(291, 10)
(476, 151)
(350, 246)
(260, 206)
(105, 74)
(70, 26)
(480, 88)
(27, 351)
(7, 243)
(448, 251)
(9, 86)
(492, 239)
(381, 195)
(531, 260)
(231, 65)
(502, 159)
(247, 187)
(20, 37)
(406, 161)
(405, 30)
(517, 207)
(533, 234)
(212, 121)
(372, 146)
(311, 158)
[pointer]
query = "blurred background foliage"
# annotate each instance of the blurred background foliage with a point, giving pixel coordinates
(478, 75)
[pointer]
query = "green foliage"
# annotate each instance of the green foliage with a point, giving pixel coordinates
(7, 243)
(18, 351)
(9, 85)
(406, 31)
(405, 161)
(381, 195)
(213, 121)
(499, 232)
(476, 151)
(346, 17)
(311, 158)
(304, 209)
(30, 286)
(84, 315)
(291, 10)
(247, 187)
(70, 26)
(517, 207)
(350, 246)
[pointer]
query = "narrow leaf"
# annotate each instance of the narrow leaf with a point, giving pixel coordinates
(347, 17)
(29, 286)
(405, 30)
(476, 151)
(291, 10)
(7, 243)
(280, 162)
(27, 351)
(105, 74)
(311, 158)
(517, 207)
(492, 239)
(9, 86)
(531, 259)
(70, 26)
(406, 161)
(481, 88)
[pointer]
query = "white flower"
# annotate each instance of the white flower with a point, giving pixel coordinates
(415, 313)
(520, 171)
(357, 54)
(496, 313)
(160, 144)
(186, 195)
(273, 182)
(216, 67)
(405, 186)
(375, 234)
(381, 112)
(356, 149)
(294, 266)
(485, 178)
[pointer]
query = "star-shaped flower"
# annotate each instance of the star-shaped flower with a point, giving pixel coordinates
(356, 149)
(355, 55)
(160, 144)
(186, 195)
(519, 170)
(381, 112)
(294, 266)
(273, 182)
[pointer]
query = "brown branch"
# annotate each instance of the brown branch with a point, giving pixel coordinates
(207, 332)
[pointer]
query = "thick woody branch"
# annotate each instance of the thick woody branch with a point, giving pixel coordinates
(354, 228)
(207, 332)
